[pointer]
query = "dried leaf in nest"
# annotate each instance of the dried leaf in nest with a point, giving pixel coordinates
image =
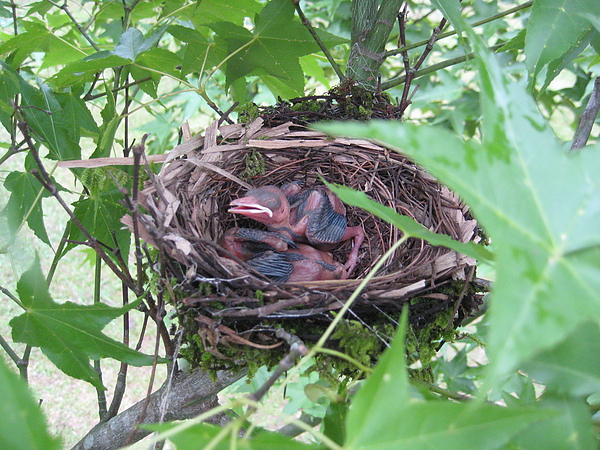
(187, 205)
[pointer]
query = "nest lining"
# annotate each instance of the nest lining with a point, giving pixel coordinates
(187, 206)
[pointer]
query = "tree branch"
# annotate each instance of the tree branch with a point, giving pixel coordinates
(188, 395)
(587, 119)
(318, 40)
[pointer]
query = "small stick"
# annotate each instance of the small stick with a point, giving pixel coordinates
(297, 349)
(587, 119)
(318, 40)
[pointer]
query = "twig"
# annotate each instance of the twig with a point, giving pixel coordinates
(313, 32)
(97, 367)
(468, 279)
(297, 349)
(453, 32)
(411, 71)
(587, 119)
(293, 430)
(441, 391)
(65, 8)
(434, 68)
(8, 349)
(42, 175)
(121, 382)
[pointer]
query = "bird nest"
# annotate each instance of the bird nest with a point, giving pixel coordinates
(228, 305)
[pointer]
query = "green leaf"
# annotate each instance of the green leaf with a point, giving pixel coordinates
(268, 48)
(571, 367)
(570, 429)
(68, 333)
(25, 202)
(73, 72)
(9, 88)
(162, 61)
(234, 11)
(45, 117)
(407, 224)
(22, 426)
(101, 213)
(200, 54)
(78, 115)
(383, 415)
(132, 43)
(555, 29)
(193, 437)
(539, 205)
(108, 129)
(56, 49)
(334, 422)
(385, 390)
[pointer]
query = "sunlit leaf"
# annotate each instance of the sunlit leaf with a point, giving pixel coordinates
(22, 425)
(202, 434)
(539, 205)
(555, 29)
(570, 429)
(70, 334)
(573, 366)
(24, 203)
(267, 48)
(383, 415)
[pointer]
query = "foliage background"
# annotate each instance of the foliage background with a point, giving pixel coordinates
(108, 72)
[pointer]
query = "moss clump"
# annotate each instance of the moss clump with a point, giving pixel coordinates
(247, 112)
(255, 164)
(422, 342)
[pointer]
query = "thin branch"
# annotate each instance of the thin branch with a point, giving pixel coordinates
(88, 96)
(293, 430)
(9, 351)
(434, 68)
(587, 119)
(438, 390)
(297, 349)
(313, 33)
(42, 175)
(191, 394)
(97, 367)
(65, 8)
(468, 279)
(453, 32)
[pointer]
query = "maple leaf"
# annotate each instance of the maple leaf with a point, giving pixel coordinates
(267, 49)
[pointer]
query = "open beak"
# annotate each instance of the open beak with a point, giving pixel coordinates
(248, 208)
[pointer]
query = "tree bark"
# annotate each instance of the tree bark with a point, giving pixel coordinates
(187, 396)
(371, 30)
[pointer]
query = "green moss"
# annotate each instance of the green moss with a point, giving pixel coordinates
(247, 112)
(255, 165)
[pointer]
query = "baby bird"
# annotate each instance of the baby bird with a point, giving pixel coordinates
(311, 215)
(305, 263)
(245, 243)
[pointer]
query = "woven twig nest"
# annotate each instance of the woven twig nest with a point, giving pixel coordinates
(187, 205)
